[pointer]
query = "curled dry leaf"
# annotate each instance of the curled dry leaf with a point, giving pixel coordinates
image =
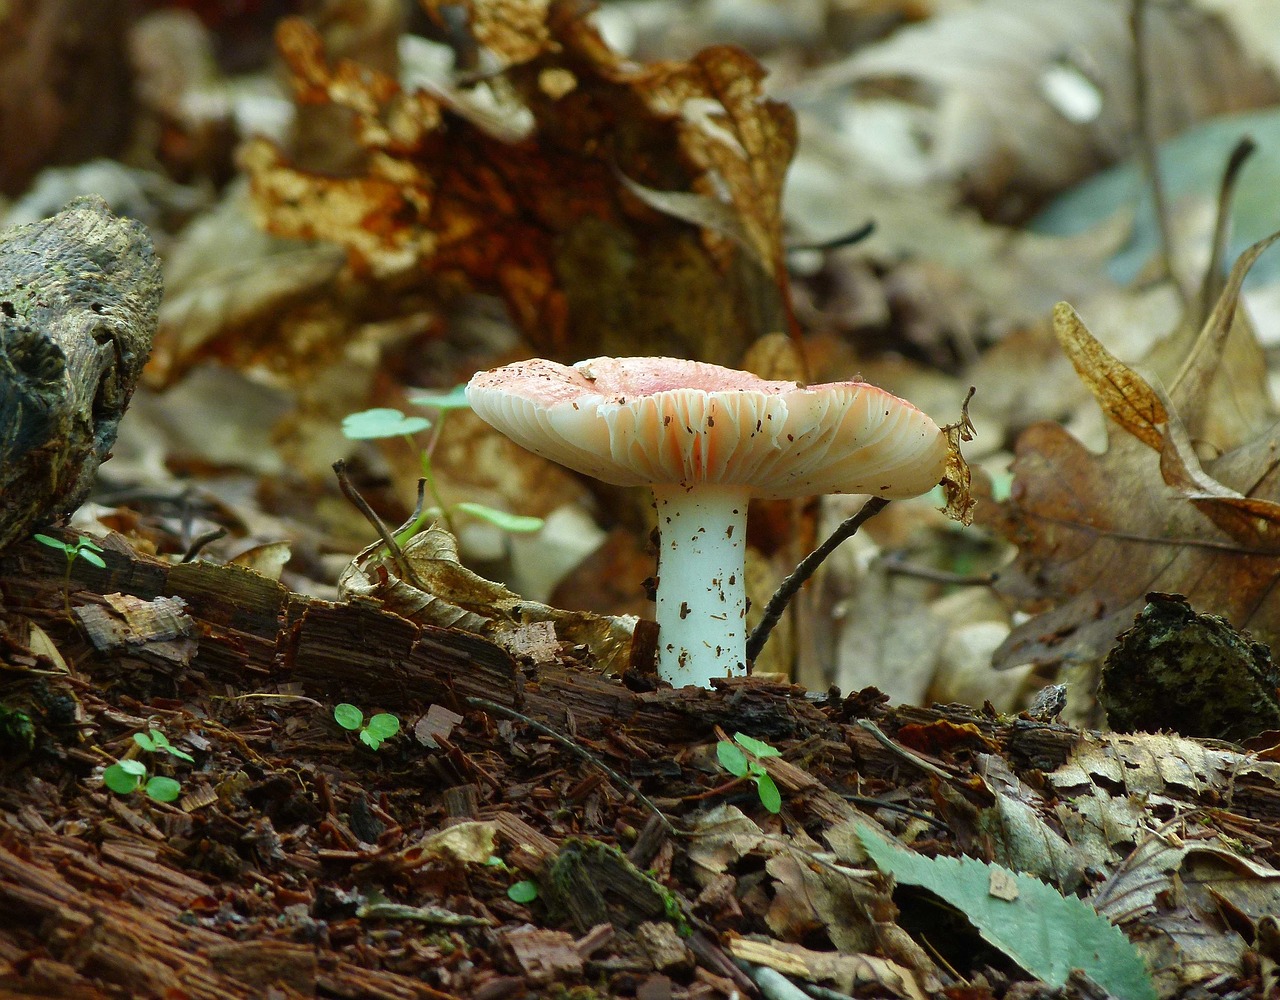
(451, 596)
(536, 202)
(1096, 533)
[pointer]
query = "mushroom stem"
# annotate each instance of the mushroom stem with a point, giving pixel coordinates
(702, 594)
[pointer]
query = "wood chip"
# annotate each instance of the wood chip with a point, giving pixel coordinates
(543, 956)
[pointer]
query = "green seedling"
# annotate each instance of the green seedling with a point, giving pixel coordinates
(370, 425)
(17, 731)
(83, 548)
(522, 892)
(741, 758)
(157, 742)
(124, 777)
(381, 727)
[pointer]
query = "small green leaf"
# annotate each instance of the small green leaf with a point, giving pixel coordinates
(85, 542)
(514, 523)
(92, 557)
(348, 716)
(161, 742)
(148, 743)
(493, 861)
(770, 797)
(755, 746)
(371, 740)
(121, 779)
(454, 399)
(731, 758)
(384, 725)
(163, 789)
(368, 425)
(523, 892)
(53, 543)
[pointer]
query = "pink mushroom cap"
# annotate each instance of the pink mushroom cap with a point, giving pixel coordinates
(641, 421)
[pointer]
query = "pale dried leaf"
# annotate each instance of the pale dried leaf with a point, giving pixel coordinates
(996, 120)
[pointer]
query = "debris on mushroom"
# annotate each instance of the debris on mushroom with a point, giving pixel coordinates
(706, 439)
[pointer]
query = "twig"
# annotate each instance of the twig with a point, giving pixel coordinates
(863, 800)
(574, 748)
(773, 611)
(901, 751)
(1147, 141)
(197, 544)
(837, 242)
(1211, 286)
(397, 554)
(265, 695)
(894, 563)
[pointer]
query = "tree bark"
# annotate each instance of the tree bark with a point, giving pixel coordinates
(79, 302)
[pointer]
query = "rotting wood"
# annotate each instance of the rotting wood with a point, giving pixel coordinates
(79, 304)
(251, 628)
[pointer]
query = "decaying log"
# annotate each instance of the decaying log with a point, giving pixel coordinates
(252, 631)
(79, 301)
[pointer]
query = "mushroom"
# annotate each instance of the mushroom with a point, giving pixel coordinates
(706, 439)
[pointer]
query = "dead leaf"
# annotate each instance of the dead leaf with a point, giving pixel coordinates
(1014, 98)
(443, 592)
(1096, 533)
(541, 208)
(1181, 888)
(844, 971)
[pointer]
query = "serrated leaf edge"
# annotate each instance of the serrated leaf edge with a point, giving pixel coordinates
(1106, 955)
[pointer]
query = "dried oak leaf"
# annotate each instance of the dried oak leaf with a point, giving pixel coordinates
(616, 208)
(1097, 532)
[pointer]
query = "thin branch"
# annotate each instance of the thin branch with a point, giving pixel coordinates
(897, 564)
(1212, 284)
(1147, 141)
(900, 751)
(197, 544)
(837, 242)
(397, 554)
(777, 605)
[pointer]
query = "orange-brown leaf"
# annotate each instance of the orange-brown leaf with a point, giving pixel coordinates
(531, 201)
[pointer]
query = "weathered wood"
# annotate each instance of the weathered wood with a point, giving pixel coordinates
(79, 302)
(248, 626)
(252, 630)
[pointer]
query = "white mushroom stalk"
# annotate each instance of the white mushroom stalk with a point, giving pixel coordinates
(706, 439)
(702, 590)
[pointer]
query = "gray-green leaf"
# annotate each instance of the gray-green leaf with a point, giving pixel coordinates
(1046, 933)
(382, 422)
(454, 399)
